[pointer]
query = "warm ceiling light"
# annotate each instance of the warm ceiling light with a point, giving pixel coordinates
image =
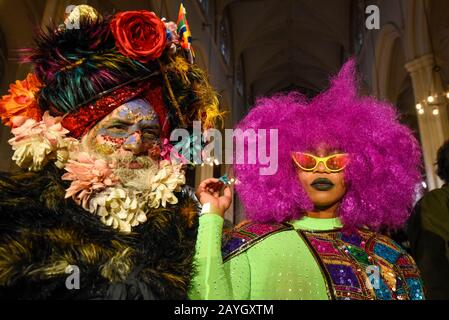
(419, 106)
(421, 111)
(430, 99)
(435, 112)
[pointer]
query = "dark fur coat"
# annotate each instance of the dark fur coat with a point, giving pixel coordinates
(41, 234)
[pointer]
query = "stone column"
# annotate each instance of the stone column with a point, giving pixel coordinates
(434, 129)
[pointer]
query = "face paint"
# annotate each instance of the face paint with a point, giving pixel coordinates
(106, 145)
(104, 149)
(132, 130)
(134, 110)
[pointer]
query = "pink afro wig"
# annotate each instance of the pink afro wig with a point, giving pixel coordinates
(382, 176)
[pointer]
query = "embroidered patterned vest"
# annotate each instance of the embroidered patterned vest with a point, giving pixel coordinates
(362, 265)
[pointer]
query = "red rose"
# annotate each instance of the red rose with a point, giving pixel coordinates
(140, 35)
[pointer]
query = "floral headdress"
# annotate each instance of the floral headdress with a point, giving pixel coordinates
(84, 72)
(86, 68)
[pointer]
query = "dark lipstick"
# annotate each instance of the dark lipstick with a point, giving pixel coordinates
(322, 184)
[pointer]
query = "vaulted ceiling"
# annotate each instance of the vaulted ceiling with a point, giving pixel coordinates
(439, 31)
(288, 43)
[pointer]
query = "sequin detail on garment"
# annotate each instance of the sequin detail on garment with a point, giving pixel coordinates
(243, 238)
(365, 266)
(82, 120)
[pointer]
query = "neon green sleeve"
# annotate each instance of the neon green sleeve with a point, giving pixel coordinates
(212, 279)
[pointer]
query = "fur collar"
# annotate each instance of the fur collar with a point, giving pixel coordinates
(42, 234)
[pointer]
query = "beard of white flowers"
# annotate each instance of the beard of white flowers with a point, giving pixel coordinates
(168, 179)
(124, 206)
(119, 208)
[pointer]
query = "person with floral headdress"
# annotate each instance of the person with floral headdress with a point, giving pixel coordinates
(347, 169)
(98, 209)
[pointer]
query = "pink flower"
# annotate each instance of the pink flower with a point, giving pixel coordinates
(88, 175)
(37, 142)
(168, 152)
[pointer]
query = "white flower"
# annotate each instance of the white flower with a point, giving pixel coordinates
(124, 208)
(37, 142)
(119, 208)
(169, 178)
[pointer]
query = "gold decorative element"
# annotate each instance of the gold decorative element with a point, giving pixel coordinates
(82, 13)
(104, 149)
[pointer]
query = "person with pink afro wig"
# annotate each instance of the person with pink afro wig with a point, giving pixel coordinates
(346, 169)
(383, 173)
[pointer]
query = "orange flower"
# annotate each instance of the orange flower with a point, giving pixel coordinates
(21, 100)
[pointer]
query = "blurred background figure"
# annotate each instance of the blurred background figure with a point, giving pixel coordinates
(428, 232)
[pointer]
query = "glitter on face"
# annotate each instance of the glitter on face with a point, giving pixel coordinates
(137, 110)
(131, 128)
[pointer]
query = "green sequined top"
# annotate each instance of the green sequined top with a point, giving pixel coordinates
(310, 258)
(281, 267)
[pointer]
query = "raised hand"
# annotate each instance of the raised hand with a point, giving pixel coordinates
(209, 192)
